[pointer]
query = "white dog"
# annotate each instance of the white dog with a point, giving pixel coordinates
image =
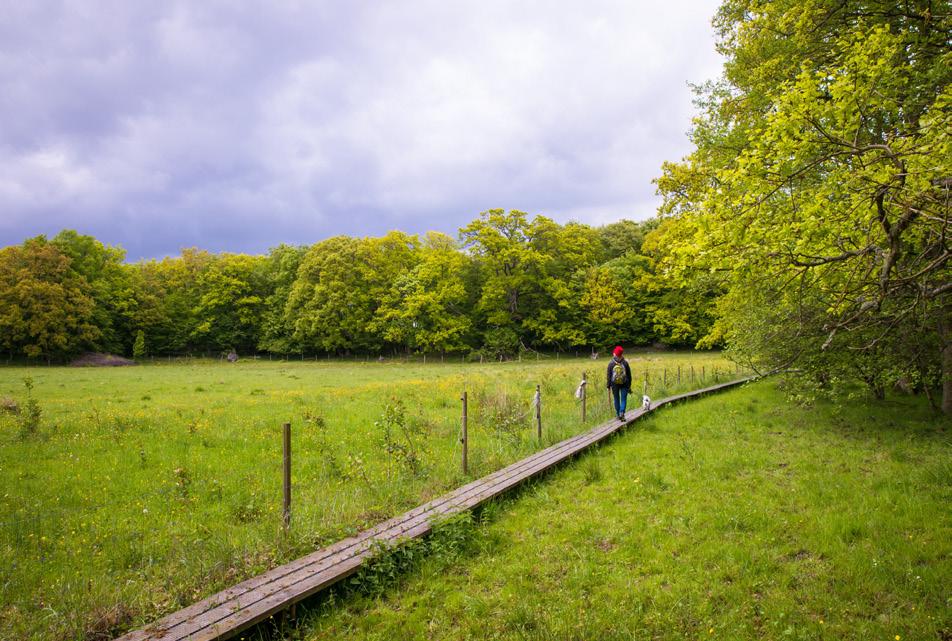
(645, 402)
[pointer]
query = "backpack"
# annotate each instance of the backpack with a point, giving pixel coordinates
(619, 377)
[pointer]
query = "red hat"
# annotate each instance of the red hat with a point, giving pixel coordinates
(618, 350)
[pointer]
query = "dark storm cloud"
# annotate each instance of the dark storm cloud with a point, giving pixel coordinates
(235, 127)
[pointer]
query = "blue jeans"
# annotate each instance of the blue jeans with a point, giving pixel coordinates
(620, 395)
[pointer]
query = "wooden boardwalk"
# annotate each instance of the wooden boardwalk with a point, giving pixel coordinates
(227, 613)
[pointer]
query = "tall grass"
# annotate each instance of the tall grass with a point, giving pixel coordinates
(143, 489)
(740, 516)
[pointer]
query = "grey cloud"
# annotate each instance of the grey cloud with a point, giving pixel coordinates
(236, 127)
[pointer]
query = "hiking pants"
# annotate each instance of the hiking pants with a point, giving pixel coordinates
(620, 395)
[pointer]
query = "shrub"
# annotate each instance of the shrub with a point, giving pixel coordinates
(138, 348)
(29, 418)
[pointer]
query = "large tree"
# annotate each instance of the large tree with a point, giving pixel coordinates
(229, 310)
(110, 285)
(529, 268)
(426, 307)
(819, 186)
(45, 308)
(511, 273)
(341, 283)
(280, 272)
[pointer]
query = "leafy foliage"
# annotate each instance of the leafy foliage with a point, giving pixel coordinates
(818, 191)
(45, 308)
(513, 283)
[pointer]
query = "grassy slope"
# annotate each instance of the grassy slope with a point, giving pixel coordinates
(150, 487)
(739, 516)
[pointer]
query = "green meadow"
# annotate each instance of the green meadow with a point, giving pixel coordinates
(128, 493)
(740, 516)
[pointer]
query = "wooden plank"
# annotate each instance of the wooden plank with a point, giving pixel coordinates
(385, 530)
(229, 612)
(454, 502)
(305, 583)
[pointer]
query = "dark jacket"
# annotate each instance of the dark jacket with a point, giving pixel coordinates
(611, 365)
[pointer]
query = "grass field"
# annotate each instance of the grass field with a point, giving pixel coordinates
(738, 516)
(143, 489)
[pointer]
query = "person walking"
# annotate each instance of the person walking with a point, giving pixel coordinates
(619, 381)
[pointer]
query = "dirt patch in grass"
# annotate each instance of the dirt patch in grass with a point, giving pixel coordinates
(7, 404)
(107, 623)
(93, 359)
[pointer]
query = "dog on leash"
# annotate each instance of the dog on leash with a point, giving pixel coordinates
(645, 402)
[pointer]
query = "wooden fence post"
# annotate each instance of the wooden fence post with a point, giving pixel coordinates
(584, 386)
(646, 383)
(465, 437)
(538, 410)
(287, 475)
(679, 374)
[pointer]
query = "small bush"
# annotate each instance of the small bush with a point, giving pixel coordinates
(29, 419)
(138, 348)
(402, 439)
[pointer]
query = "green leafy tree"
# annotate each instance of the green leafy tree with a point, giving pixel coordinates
(230, 306)
(169, 297)
(280, 273)
(527, 270)
(341, 282)
(46, 310)
(426, 308)
(608, 314)
(138, 348)
(564, 250)
(110, 286)
(820, 178)
(510, 269)
(624, 236)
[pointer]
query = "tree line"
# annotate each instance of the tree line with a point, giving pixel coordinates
(507, 283)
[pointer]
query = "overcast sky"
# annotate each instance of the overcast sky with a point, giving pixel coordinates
(237, 126)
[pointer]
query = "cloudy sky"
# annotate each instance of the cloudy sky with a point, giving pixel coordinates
(238, 126)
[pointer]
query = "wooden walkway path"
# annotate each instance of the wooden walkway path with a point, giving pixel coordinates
(227, 613)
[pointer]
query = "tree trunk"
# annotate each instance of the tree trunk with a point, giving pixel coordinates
(945, 340)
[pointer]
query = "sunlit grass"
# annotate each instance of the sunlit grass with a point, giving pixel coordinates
(150, 487)
(740, 516)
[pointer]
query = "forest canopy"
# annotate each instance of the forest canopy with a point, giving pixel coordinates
(508, 283)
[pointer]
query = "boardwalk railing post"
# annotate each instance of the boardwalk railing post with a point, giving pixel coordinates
(538, 410)
(584, 385)
(287, 475)
(464, 439)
